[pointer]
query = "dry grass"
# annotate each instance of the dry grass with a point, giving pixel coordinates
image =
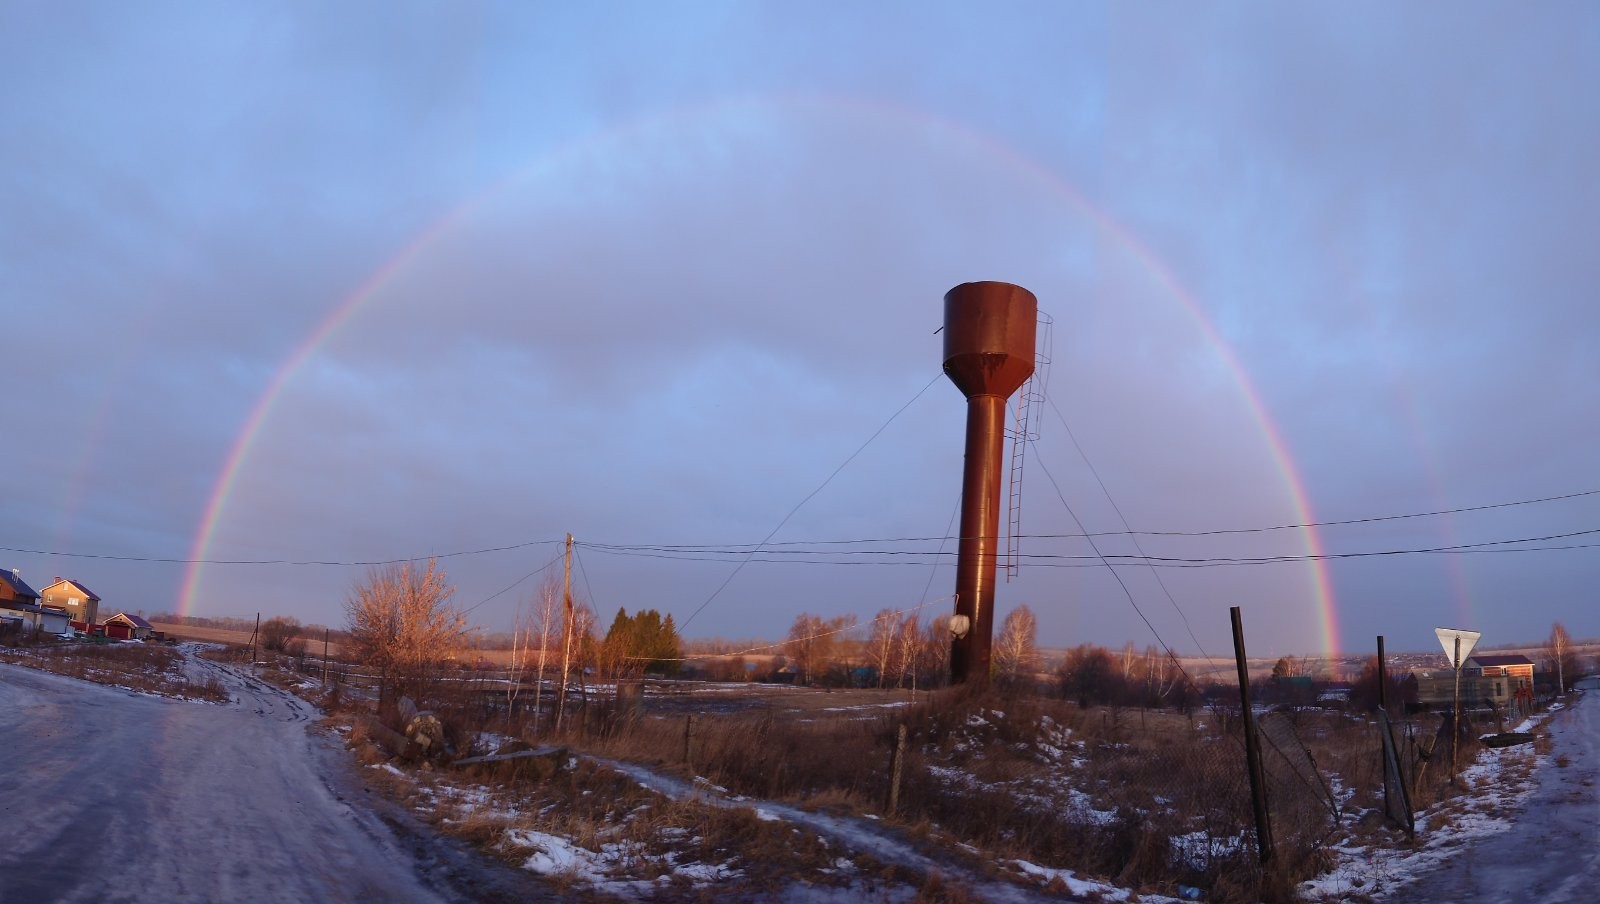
(138, 667)
(1145, 799)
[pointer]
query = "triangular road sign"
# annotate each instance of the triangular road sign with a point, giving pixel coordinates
(1447, 639)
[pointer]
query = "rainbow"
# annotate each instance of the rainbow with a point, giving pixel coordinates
(347, 307)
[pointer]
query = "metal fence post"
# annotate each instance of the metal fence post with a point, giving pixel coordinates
(1252, 746)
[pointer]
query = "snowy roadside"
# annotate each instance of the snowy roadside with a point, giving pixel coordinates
(137, 667)
(1501, 780)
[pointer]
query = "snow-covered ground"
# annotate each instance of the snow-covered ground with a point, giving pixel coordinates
(109, 795)
(1454, 836)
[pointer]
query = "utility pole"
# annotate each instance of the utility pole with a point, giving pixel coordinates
(253, 635)
(566, 640)
(324, 657)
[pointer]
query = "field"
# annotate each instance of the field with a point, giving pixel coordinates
(1025, 791)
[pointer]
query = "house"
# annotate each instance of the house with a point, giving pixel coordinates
(1496, 679)
(20, 606)
(78, 601)
(1509, 676)
(15, 592)
(125, 626)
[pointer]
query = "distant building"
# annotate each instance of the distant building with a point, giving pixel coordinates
(1494, 679)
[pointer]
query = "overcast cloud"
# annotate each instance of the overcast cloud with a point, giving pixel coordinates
(650, 274)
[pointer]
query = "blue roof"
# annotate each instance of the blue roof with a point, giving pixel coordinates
(19, 587)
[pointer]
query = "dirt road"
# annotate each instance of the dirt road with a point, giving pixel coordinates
(1552, 852)
(106, 795)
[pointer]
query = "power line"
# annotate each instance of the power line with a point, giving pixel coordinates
(1126, 526)
(842, 465)
(513, 584)
(768, 546)
(1120, 583)
(1149, 533)
(288, 562)
(916, 558)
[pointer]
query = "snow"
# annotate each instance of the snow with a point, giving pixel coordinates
(1442, 831)
(1087, 888)
(198, 767)
(554, 855)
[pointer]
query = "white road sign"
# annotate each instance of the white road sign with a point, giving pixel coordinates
(1448, 638)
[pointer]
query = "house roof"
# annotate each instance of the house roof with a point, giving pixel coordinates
(88, 594)
(131, 619)
(1504, 659)
(19, 587)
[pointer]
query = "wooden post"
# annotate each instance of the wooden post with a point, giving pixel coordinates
(1252, 748)
(897, 763)
(324, 657)
(688, 740)
(253, 635)
(566, 638)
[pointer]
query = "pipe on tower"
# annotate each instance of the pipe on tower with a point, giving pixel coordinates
(989, 335)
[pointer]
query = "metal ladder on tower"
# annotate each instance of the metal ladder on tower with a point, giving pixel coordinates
(1024, 430)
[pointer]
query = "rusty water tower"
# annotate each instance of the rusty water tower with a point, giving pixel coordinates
(989, 333)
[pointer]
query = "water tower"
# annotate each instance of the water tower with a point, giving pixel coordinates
(989, 333)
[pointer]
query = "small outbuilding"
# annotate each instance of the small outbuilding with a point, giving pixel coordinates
(124, 626)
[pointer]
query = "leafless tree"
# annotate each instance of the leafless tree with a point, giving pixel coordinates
(907, 643)
(278, 632)
(1161, 674)
(1016, 651)
(933, 659)
(400, 623)
(577, 647)
(1559, 647)
(881, 645)
(1088, 675)
(546, 616)
(813, 643)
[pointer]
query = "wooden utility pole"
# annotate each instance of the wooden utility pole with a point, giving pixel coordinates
(566, 640)
(897, 763)
(253, 635)
(1252, 746)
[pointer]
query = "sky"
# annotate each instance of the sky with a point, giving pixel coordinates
(294, 283)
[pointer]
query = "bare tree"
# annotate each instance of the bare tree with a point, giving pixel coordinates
(933, 658)
(401, 624)
(546, 616)
(278, 632)
(881, 645)
(1161, 674)
(1088, 675)
(1016, 651)
(1560, 649)
(907, 644)
(813, 642)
